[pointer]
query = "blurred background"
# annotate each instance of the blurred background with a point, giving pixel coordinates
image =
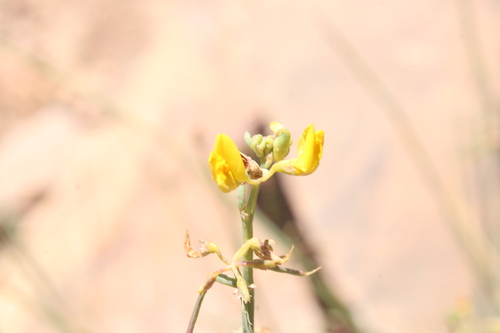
(109, 110)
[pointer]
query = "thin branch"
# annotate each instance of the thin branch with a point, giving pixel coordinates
(226, 280)
(196, 311)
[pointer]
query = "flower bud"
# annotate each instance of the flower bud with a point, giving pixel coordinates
(262, 146)
(282, 141)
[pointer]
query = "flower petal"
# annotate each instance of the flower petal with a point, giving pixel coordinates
(309, 151)
(225, 162)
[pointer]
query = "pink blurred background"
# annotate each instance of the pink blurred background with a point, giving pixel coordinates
(108, 112)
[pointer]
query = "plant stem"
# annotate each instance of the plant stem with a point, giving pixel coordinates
(247, 215)
(226, 280)
(196, 311)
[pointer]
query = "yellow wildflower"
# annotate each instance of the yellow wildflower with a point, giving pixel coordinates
(230, 168)
(309, 152)
(227, 167)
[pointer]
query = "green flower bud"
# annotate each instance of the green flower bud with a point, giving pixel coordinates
(248, 140)
(282, 141)
(269, 145)
(262, 146)
(256, 140)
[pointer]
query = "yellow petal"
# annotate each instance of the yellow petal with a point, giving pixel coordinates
(226, 164)
(309, 152)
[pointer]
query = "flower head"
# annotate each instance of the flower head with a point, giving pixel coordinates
(309, 152)
(225, 162)
(230, 168)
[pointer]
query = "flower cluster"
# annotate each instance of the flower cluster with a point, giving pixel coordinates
(230, 168)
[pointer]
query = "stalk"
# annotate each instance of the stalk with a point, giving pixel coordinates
(247, 211)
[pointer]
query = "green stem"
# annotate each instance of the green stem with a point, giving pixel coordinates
(221, 278)
(196, 311)
(247, 213)
(226, 280)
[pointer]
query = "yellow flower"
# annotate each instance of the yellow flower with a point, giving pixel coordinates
(227, 167)
(230, 168)
(309, 152)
